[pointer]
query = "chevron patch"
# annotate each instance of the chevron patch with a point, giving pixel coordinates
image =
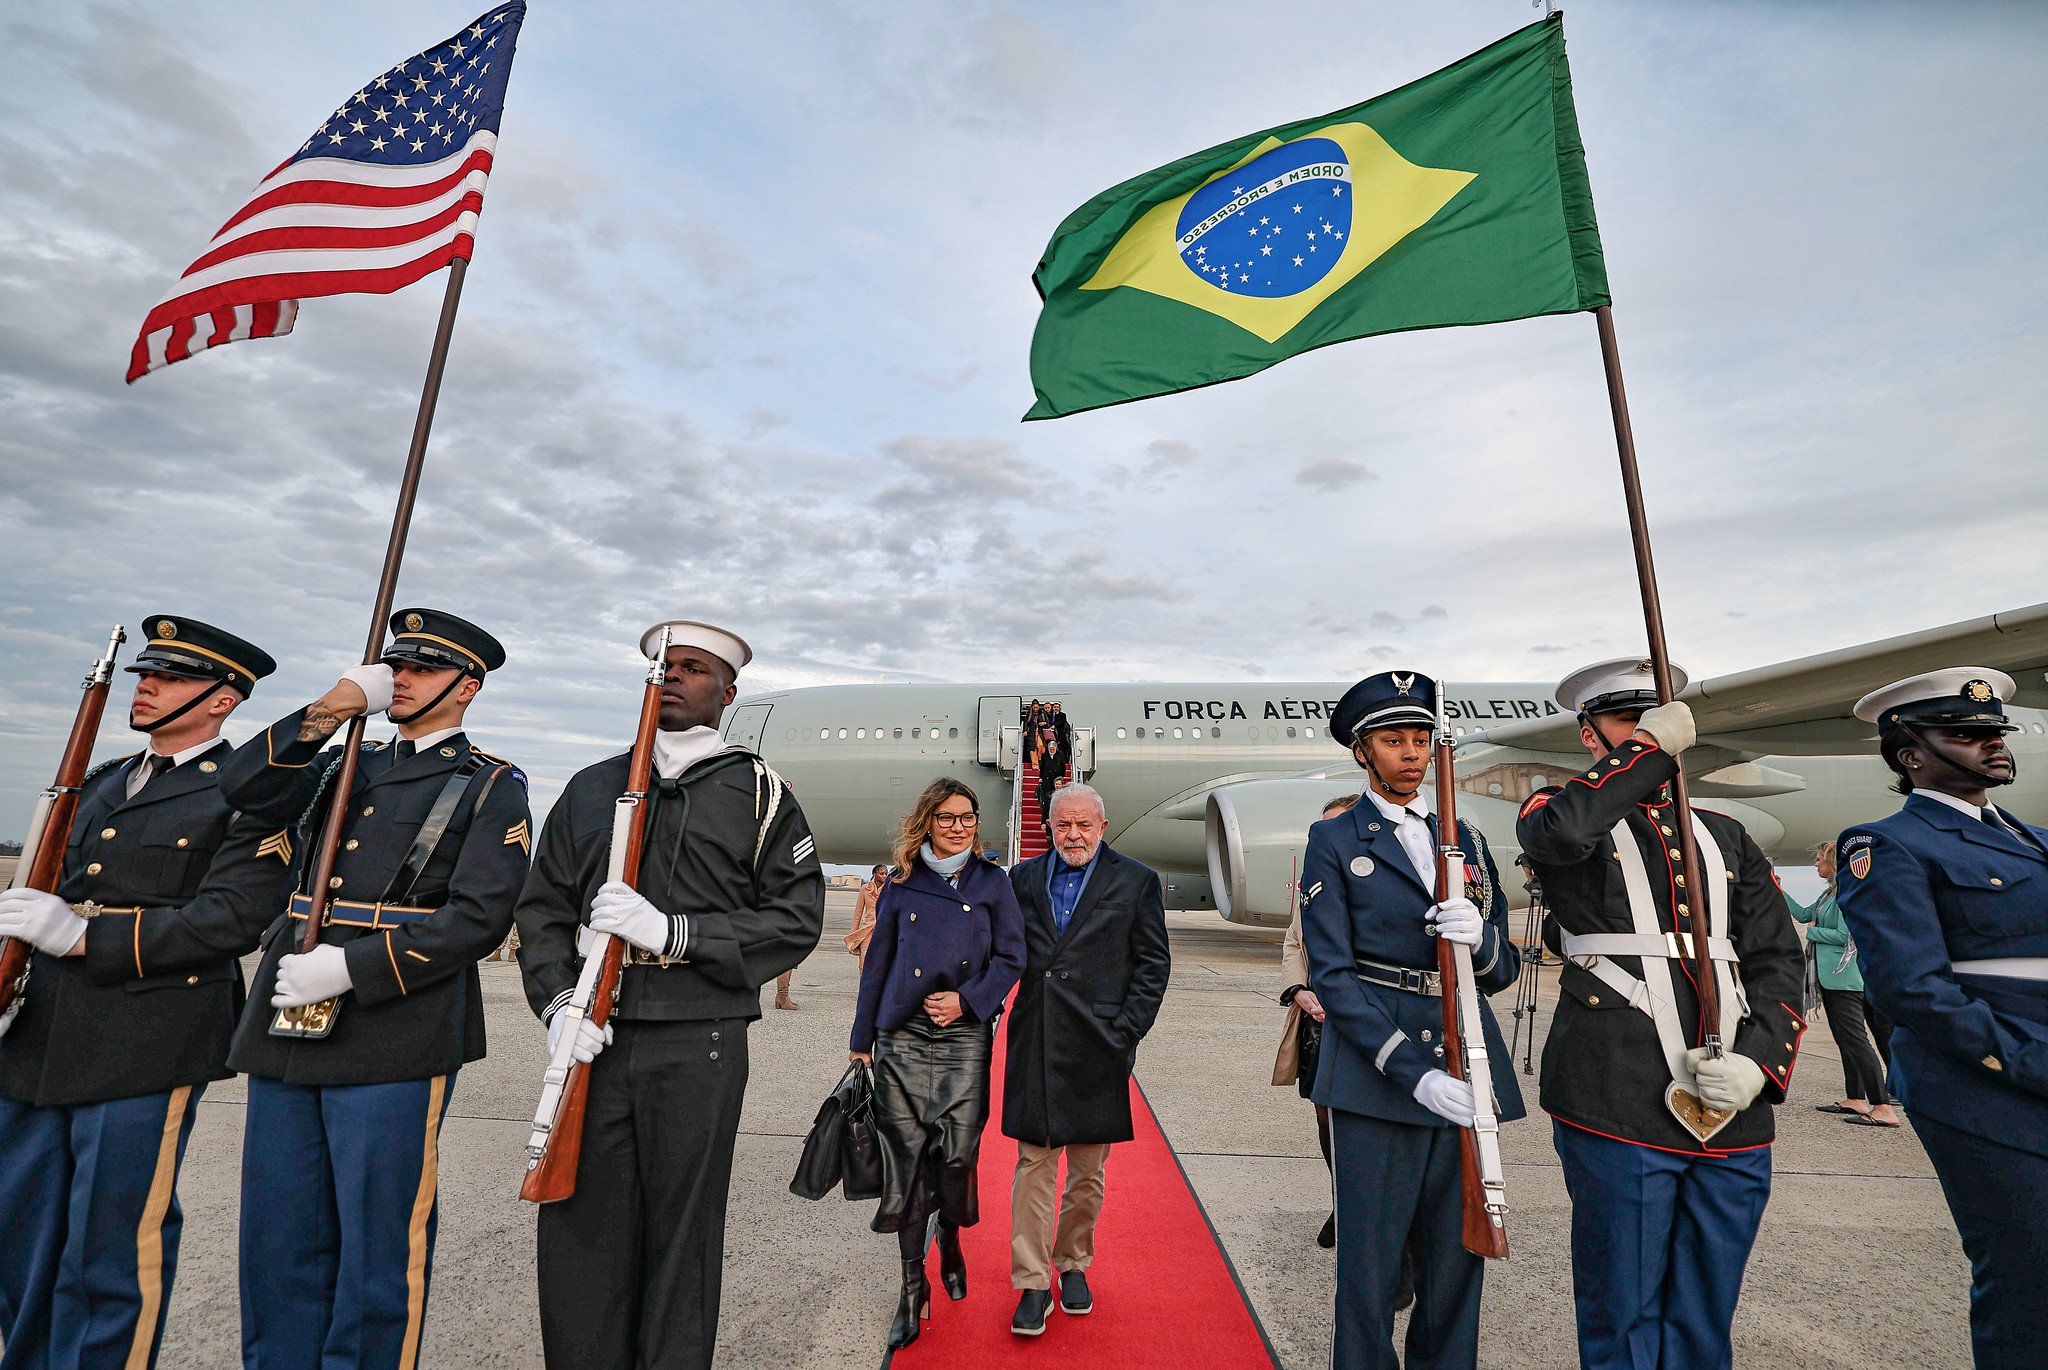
(804, 847)
(520, 834)
(278, 845)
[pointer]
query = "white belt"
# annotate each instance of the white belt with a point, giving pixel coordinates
(2010, 967)
(1675, 946)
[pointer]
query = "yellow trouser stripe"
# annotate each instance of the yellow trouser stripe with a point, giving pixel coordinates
(149, 1233)
(422, 1209)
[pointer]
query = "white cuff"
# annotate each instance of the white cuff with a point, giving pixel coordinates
(678, 936)
(557, 1004)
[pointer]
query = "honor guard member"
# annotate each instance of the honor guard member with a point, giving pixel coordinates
(1369, 926)
(1948, 902)
(1662, 1219)
(730, 896)
(340, 1148)
(132, 996)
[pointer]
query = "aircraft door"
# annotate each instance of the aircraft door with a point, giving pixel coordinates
(746, 725)
(1084, 753)
(996, 712)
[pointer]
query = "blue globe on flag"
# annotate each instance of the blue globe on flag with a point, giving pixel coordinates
(1273, 227)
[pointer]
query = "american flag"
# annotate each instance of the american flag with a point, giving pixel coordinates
(387, 190)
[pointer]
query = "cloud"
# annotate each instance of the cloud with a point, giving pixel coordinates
(1332, 473)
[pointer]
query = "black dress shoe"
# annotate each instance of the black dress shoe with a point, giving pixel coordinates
(952, 1263)
(1074, 1295)
(1032, 1306)
(1327, 1237)
(913, 1307)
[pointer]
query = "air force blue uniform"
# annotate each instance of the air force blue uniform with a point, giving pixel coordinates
(1926, 892)
(1396, 1164)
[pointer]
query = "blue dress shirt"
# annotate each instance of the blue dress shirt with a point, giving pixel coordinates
(1063, 887)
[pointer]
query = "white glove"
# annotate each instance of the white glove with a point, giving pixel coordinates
(42, 920)
(1671, 724)
(375, 683)
(590, 1038)
(7, 1018)
(620, 910)
(311, 977)
(1455, 920)
(1730, 1082)
(1448, 1099)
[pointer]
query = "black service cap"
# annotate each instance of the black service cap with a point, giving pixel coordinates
(199, 651)
(441, 641)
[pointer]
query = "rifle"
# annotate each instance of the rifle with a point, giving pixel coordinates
(41, 866)
(1484, 1180)
(556, 1143)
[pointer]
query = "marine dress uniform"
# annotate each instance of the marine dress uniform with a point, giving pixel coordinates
(340, 1150)
(630, 1264)
(1948, 903)
(101, 1071)
(1662, 1222)
(1396, 1163)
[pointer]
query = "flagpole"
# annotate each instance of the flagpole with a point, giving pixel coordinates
(387, 589)
(1691, 903)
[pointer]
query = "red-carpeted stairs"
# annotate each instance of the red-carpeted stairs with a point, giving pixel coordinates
(1031, 818)
(1165, 1294)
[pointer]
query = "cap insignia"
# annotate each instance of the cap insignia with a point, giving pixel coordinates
(166, 628)
(1403, 683)
(413, 623)
(1978, 692)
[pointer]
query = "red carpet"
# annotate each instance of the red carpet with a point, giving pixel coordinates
(1165, 1294)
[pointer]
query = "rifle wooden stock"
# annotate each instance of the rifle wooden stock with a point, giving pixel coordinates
(1482, 1228)
(557, 1148)
(42, 854)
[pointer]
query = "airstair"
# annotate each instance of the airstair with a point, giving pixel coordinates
(1026, 837)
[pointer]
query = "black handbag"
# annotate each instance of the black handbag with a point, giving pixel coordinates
(1309, 1035)
(821, 1166)
(860, 1149)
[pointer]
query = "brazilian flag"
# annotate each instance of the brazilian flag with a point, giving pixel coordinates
(1458, 199)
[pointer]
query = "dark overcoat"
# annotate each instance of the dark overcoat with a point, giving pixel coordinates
(1086, 1000)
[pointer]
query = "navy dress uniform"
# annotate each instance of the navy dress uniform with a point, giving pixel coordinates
(1948, 902)
(340, 1155)
(103, 1068)
(1373, 965)
(1662, 1221)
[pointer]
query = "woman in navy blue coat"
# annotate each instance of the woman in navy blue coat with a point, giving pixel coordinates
(948, 948)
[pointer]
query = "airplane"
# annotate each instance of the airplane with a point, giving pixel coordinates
(1215, 785)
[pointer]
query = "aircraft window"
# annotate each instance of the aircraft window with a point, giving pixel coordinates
(1290, 733)
(1494, 788)
(899, 732)
(952, 732)
(860, 732)
(1309, 731)
(1252, 733)
(1272, 733)
(824, 733)
(913, 734)
(842, 734)
(1458, 731)
(1119, 732)
(1176, 732)
(1215, 732)
(1537, 782)
(789, 735)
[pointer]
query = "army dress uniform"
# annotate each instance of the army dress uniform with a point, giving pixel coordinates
(1604, 846)
(1396, 1163)
(629, 1266)
(340, 1154)
(1948, 903)
(102, 1070)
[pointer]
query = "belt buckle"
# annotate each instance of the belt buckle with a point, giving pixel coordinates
(1430, 981)
(89, 909)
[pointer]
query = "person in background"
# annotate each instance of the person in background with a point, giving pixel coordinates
(864, 913)
(948, 948)
(1864, 1069)
(1299, 1041)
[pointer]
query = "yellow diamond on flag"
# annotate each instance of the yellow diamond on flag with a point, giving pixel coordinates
(1264, 242)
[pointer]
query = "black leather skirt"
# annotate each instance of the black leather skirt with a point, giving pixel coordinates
(931, 1103)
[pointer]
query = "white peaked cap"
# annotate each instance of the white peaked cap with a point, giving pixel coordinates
(1965, 690)
(1622, 675)
(730, 648)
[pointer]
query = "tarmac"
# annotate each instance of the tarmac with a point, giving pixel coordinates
(1857, 1262)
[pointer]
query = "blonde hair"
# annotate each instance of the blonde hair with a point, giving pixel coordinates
(917, 824)
(1825, 851)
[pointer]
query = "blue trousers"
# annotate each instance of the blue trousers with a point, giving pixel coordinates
(90, 1217)
(1659, 1242)
(338, 1219)
(1398, 1187)
(1999, 1199)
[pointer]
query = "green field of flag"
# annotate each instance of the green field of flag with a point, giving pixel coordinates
(1460, 198)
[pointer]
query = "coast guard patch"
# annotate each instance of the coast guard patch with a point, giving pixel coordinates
(1361, 865)
(1859, 863)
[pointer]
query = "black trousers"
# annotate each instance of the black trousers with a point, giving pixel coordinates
(1863, 1071)
(1999, 1199)
(630, 1264)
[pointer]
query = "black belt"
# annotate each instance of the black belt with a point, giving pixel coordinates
(1406, 978)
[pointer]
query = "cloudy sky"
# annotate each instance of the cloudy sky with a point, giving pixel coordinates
(746, 339)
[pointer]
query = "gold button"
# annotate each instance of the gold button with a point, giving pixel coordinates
(191, 979)
(1682, 909)
(1614, 761)
(369, 809)
(184, 841)
(1675, 854)
(1729, 874)
(350, 845)
(1679, 880)
(1996, 881)
(1593, 999)
(207, 767)
(106, 833)
(93, 869)
(1667, 832)
(334, 883)
(1992, 1063)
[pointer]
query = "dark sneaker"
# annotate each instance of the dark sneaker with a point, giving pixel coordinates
(1032, 1306)
(1074, 1295)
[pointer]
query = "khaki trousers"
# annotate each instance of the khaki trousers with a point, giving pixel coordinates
(1035, 1250)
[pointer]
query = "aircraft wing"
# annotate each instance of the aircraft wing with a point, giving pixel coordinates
(1803, 707)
